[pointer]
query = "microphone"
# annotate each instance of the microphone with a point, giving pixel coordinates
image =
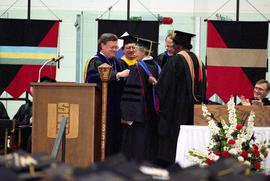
(54, 60)
(58, 58)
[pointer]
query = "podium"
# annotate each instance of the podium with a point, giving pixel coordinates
(81, 104)
(262, 114)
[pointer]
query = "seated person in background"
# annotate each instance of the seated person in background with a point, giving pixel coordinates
(23, 119)
(261, 90)
(3, 115)
(23, 115)
(3, 112)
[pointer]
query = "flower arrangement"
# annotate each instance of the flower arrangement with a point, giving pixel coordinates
(234, 139)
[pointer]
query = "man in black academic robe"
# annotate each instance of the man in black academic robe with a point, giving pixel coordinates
(108, 46)
(178, 88)
(128, 59)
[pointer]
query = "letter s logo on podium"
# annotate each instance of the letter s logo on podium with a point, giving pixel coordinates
(55, 116)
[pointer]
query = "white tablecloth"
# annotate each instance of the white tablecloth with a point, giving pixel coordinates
(198, 137)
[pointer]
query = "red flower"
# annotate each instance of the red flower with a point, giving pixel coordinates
(255, 147)
(231, 142)
(256, 153)
(208, 161)
(244, 154)
(218, 152)
(226, 154)
(239, 127)
(257, 165)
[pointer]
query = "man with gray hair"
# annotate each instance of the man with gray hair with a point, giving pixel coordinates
(107, 45)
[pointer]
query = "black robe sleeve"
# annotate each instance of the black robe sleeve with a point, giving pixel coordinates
(92, 72)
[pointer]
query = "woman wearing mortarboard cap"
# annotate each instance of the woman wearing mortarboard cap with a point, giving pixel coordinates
(183, 47)
(180, 85)
(138, 106)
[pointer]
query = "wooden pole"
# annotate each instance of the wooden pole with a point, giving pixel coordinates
(104, 73)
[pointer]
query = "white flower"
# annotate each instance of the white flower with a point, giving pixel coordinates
(196, 155)
(238, 145)
(226, 148)
(247, 163)
(227, 132)
(240, 158)
(213, 127)
(233, 151)
(224, 125)
(232, 112)
(206, 114)
(213, 156)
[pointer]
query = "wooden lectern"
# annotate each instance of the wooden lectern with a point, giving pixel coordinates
(80, 103)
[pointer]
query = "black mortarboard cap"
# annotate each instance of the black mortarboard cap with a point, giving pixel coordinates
(116, 167)
(128, 38)
(181, 37)
(189, 174)
(145, 43)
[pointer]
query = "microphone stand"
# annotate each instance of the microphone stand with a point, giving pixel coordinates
(45, 63)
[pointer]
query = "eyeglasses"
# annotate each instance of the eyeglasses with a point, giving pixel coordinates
(259, 89)
(114, 48)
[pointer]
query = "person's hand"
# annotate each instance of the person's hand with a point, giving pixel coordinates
(152, 80)
(124, 73)
(257, 102)
(244, 101)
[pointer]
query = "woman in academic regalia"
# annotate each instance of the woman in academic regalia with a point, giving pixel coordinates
(138, 106)
(181, 84)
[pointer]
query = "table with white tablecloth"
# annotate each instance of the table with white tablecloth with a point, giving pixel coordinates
(198, 137)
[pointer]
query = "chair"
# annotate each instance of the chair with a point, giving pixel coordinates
(7, 127)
